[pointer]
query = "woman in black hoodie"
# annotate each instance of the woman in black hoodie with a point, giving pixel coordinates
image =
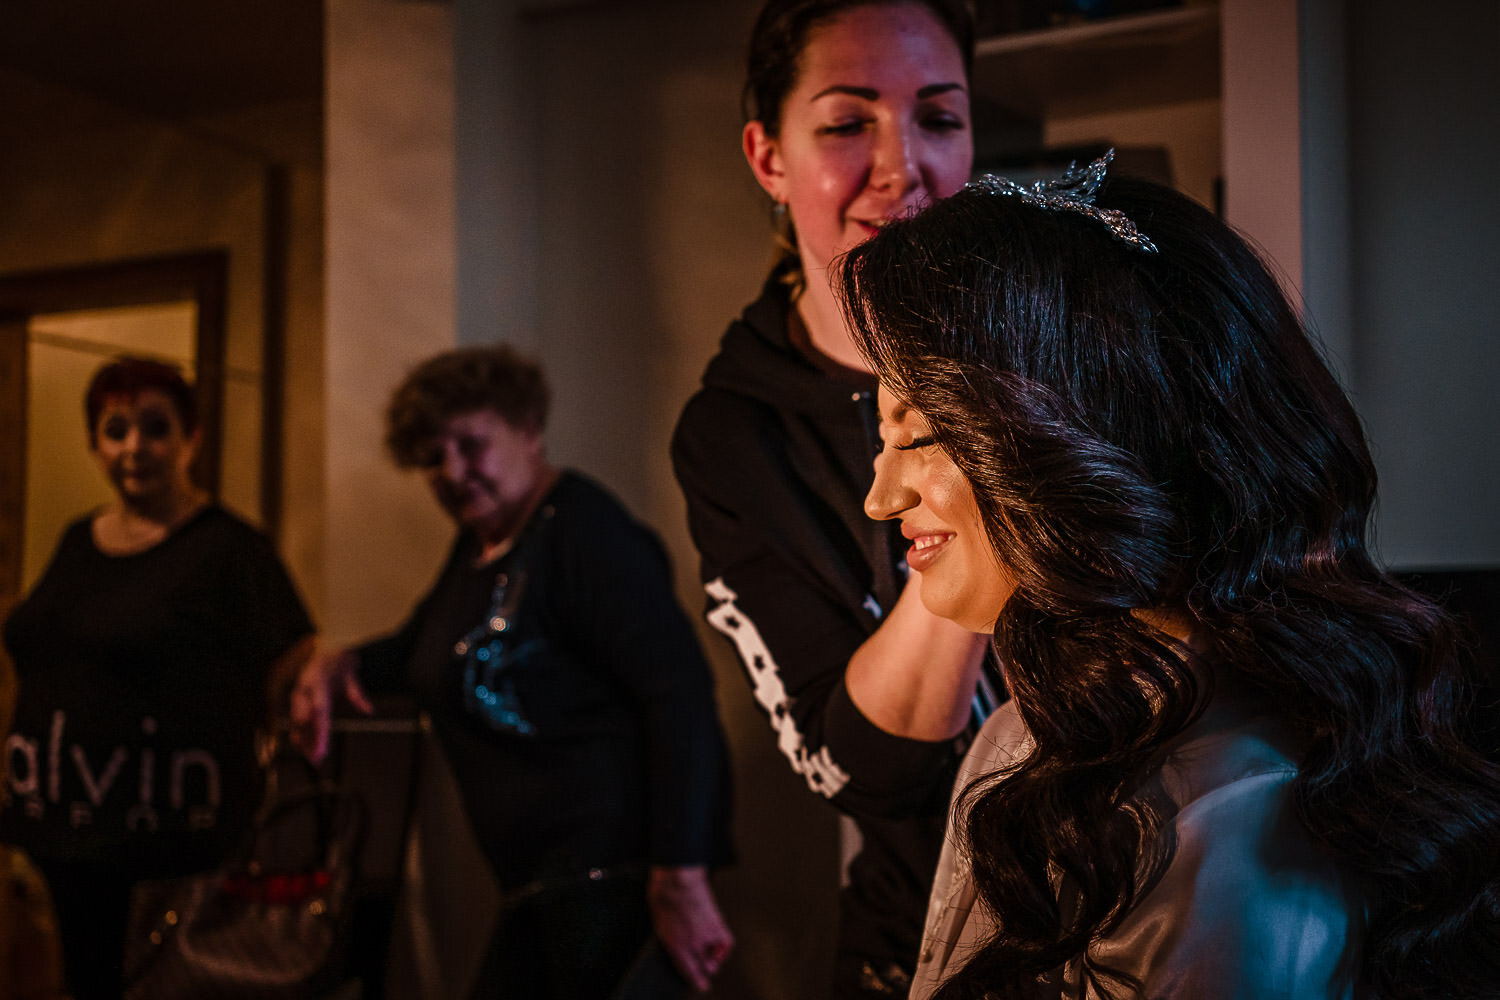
(857, 113)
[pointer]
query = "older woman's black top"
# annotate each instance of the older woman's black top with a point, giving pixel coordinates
(143, 681)
(626, 764)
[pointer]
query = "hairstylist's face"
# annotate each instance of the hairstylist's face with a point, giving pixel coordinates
(483, 471)
(877, 123)
(140, 444)
(916, 482)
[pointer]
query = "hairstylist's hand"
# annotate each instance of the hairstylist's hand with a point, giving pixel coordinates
(325, 677)
(688, 922)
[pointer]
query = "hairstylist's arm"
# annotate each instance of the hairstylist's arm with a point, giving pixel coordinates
(326, 676)
(915, 676)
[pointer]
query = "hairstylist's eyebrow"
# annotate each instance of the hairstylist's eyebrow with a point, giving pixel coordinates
(871, 94)
(934, 89)
(863, 93)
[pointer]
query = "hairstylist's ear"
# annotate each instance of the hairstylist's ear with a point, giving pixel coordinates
(764, 155)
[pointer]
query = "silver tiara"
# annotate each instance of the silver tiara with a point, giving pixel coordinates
(1074, 191)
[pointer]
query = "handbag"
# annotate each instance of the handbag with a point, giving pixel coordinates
(272, 921)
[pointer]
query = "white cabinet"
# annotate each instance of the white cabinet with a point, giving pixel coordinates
(1148, 83)
(1204, 96)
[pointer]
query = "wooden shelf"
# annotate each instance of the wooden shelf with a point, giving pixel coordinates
(1121, 63)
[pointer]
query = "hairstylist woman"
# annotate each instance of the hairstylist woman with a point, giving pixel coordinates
(1234, 763)
(858, 113)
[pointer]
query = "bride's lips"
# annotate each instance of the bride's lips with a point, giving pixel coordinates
(925, 548)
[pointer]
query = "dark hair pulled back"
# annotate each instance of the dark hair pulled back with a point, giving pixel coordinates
(781, 33)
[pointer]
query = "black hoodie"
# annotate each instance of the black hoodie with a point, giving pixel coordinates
(774, 456)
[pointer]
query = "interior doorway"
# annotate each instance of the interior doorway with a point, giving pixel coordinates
(56, 328)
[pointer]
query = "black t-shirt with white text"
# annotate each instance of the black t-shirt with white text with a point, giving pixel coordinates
(142, 682)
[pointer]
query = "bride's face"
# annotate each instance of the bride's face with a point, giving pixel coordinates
(919, 485)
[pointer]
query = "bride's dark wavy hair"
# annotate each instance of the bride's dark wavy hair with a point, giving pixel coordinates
(1156, 430)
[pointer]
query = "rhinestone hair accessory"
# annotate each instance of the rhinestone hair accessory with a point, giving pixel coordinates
(1074, 191)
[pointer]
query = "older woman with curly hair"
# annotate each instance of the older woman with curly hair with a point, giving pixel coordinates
(565, 686)
(1236, 763)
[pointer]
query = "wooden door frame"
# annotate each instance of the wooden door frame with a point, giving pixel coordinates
(13, 397)
(201, 277)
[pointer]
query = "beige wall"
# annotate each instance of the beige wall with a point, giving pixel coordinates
(1189, 131)
(390, 296)
(1263, 131)
(650, 235)
(616, 249)
(86, 182)
(1422, 214)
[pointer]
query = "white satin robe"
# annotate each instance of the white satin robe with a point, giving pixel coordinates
(1249, 906)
